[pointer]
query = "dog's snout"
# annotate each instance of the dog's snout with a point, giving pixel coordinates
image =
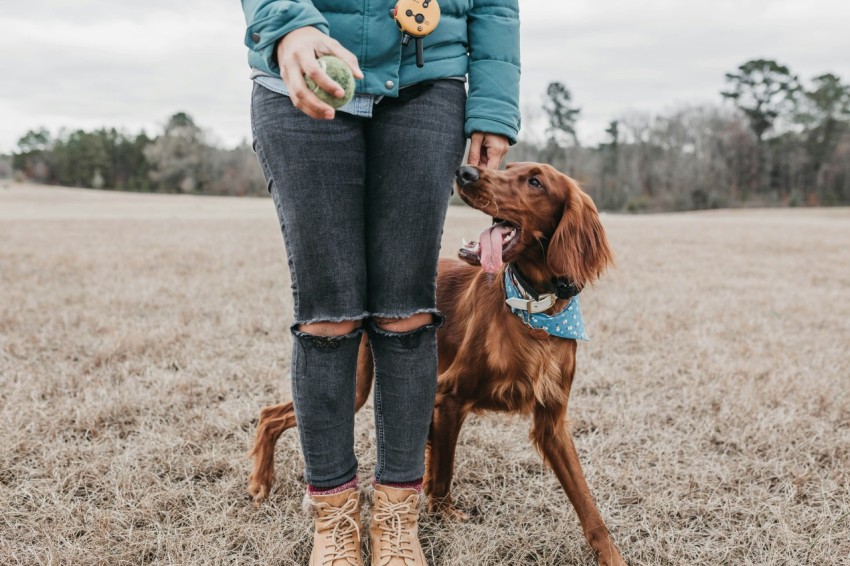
(467, 175)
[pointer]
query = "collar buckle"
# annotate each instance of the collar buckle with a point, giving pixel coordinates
(531, 306)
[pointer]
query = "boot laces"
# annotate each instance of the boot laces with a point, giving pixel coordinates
(343, 538)
(390, 521)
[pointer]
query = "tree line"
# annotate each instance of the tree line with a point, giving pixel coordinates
(180, 160)
(771, 140)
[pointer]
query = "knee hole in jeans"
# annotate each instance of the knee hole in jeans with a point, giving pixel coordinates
(407, 324)
(340, 328)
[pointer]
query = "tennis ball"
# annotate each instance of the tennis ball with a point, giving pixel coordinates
(341, 74)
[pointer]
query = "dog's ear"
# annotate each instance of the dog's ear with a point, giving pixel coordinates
(578, 249)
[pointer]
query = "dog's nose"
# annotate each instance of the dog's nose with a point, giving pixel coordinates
(467, 175)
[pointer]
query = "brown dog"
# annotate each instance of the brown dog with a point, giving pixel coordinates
(546, 228)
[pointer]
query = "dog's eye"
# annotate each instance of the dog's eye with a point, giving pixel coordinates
(535, 182)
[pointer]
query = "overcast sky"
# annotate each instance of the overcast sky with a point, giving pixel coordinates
(88, 63)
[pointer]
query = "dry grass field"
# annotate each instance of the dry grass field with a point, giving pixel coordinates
(141, 334)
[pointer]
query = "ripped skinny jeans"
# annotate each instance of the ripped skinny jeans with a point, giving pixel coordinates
(361, 203)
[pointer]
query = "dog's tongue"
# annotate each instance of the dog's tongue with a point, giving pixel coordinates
(491, 247)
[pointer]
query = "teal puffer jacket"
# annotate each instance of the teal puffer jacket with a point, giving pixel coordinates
(475, 37)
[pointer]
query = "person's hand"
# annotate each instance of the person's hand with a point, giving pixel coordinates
(296, 54)
(487, 150)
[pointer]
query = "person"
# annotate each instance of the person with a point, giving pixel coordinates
(361, 194)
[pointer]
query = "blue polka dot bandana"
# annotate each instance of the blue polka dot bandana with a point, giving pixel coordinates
(567, 324)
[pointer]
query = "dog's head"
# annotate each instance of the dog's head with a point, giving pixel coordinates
(542, 221)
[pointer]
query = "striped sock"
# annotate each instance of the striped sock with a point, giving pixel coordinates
(312, 490)
(416, 484)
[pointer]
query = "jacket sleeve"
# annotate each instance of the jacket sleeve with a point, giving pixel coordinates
(269, 20)
(494, 68)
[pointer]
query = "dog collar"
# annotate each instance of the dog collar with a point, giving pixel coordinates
(529, 299)
(561, 287)
(567, 324)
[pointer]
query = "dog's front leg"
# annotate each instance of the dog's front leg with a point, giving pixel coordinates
(449, 414)
(550, 434)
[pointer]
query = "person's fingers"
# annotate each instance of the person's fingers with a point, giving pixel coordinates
(301, 96)
(288, 75)
(497, 148)
(475, 147)
(347, 57)
(494, 159)
(485, 154)
(280, 53)
(295, 87)
(311, 68)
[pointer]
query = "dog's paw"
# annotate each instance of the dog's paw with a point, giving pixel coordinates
(447, 510)
(258, 492)
(454, 514)
(612, 560)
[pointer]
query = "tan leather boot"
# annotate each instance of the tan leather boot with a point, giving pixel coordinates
(336, 538)
(394, 531)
